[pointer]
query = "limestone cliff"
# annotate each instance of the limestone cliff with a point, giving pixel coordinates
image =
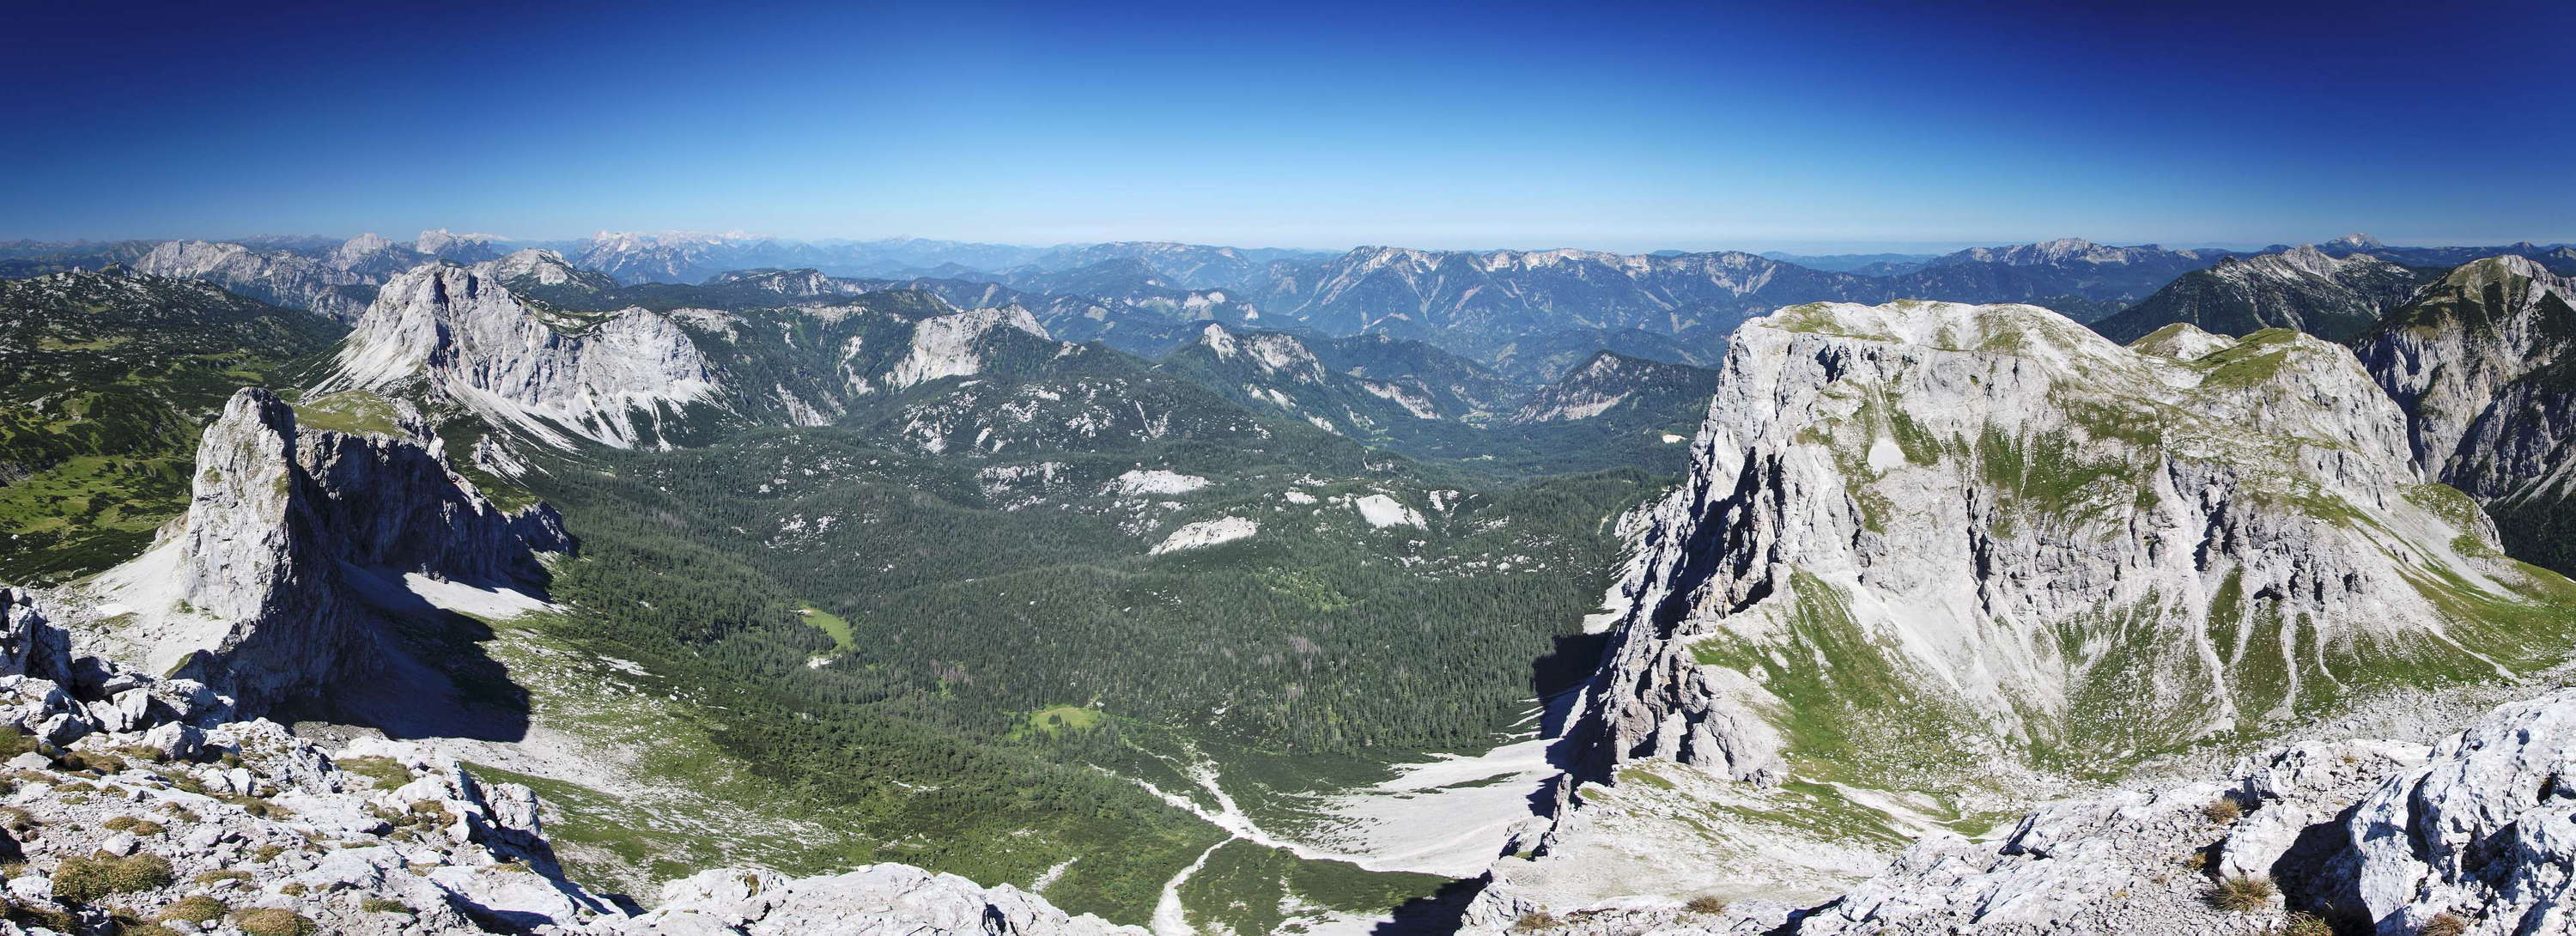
(2068, 550)
(2480, 361)
(1937, 560)
(457, 334)
(260, 592)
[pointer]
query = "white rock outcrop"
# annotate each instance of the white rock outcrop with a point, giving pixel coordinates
(1204, 533)
(2485, 832)
(258, 593)
(459, 333)
(958, 344)
(1933, 554)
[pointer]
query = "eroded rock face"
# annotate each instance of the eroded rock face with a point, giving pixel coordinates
(255, 562)
(2480, 361)
(275, 277)
(611, 379)
(254, 595)
(958, 344)
(2029, 533)
(2458, 360)
(1934, 556)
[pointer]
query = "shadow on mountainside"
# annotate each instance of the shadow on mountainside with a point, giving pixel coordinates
(1573, 661)
(434, 678)
(1436, 915)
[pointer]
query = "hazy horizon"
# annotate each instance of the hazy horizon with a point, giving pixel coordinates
(1808, 249)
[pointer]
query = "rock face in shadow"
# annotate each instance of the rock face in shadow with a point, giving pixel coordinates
(260, 597)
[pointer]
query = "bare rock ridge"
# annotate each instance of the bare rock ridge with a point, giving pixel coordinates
(261, 590)
(1935, 560)
(2304, 288)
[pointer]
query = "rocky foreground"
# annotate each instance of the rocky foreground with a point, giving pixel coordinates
(2472, 836)
(143, 805)
(138, 805)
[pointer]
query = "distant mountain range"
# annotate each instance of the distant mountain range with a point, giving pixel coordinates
(2305, 288)
(1530, 315)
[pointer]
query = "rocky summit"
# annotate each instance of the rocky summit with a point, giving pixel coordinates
(1933, 559)
(262, 590)
(2479, 361)
(456, 332)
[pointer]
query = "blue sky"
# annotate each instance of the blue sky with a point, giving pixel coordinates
(1631, 126)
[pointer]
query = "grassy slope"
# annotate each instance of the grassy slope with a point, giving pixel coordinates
(105, 382)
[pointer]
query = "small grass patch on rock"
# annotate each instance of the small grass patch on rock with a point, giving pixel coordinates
(199, 909)
(270, 921)
(2243, 893)
(385, 771)
(85, 880)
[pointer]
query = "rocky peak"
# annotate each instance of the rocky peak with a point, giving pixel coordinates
(255, 594)
(447, 245)
(458, 332)
(1933, 549)
(2182, 341)
(2465, 348)
(2356, 241)
(357, 250)
(1278, 354)
(1604, 382)
(535, 266)
(962, 343)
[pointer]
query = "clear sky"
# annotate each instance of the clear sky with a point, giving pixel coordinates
(1785, 124)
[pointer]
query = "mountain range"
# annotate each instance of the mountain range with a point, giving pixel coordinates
(1258, 591)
